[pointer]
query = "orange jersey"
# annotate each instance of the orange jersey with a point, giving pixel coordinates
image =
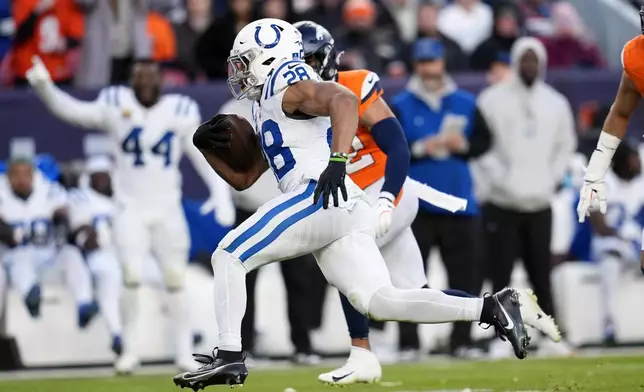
(164, 44)
(64, 20)
(367, 161)
(633, 61)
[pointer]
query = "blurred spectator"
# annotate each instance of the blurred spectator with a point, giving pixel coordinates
(328, 13)
(199, 18)
(213, 47)
(445, 130)
(499, 70)
(405, 14)
(366, 46)
(164, 44)
(537, 16)
(506, 31)
(534, 141)
(50, 29)
(468, 22)
(278, 9)
(7, 27)
(455, 59)
(570, 45)
(116, 33)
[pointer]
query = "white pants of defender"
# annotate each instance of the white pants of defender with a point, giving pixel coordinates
(340, 238)
(158, 229)
(25, 266)
(398, 246)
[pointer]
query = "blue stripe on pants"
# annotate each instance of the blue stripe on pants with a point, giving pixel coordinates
(260, 224)
(285, 224)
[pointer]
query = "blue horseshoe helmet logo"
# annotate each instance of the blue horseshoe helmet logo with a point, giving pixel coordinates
(278, 35)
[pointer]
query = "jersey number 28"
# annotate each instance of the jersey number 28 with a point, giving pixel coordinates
(132, 145)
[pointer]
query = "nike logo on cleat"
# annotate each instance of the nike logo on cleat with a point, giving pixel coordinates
(539, 316)
(336, 379)
(507, 316)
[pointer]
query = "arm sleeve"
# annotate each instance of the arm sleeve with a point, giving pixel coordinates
(215, 184)
(90, 115)
(390, 137)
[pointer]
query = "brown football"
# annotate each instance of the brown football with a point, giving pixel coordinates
(244, 143)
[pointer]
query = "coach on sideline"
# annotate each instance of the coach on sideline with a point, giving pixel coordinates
(444, 129)
(534, 142)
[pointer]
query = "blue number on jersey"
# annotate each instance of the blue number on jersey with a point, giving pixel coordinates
(37, 232)
(296, 74)
(164, 147)
(615, 215)
(280, 158)
(132, 145)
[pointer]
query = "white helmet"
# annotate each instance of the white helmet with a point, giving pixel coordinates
(258, 48)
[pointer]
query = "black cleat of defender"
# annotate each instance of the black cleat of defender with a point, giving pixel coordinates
(508, 323)
(215, 371)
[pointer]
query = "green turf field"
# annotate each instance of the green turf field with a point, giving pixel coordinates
(584, 374)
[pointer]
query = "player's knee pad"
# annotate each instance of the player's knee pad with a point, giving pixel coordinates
(382, 303)
(131, 277)
(220, 257)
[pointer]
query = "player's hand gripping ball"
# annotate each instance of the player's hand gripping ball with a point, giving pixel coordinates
(231, 138)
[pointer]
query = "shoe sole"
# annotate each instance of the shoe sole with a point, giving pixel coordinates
(553, 332)
(346, 384)
(231, 381)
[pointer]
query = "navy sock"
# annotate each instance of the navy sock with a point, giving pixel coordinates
(458, 293)
(358, 324)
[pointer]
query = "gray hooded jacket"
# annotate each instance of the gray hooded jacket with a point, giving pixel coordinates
(534, 138)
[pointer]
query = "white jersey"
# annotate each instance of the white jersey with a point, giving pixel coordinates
(148, 142)
(32, 218)
(90, 208)
(296, 150)
(625, 211)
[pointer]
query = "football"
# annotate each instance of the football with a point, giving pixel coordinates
(244, 143)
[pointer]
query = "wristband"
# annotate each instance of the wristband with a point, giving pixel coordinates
(339, 157)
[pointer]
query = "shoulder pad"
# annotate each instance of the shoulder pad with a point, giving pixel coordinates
(112, 96)
(287, 74)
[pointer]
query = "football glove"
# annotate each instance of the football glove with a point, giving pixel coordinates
(38, 75)
(384, 209)
(587, 194)
(332, 179)
(214, 133)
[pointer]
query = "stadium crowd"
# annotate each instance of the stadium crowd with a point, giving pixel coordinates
(92, 44)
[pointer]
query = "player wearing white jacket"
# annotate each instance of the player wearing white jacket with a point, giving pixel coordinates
(149, 133)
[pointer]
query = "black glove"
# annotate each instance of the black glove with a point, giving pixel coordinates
(331, 179)
(214, 133)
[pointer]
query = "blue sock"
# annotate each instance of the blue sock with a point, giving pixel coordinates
(458, 293)
(358, 324)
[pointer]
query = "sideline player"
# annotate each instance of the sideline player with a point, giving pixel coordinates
(308, 153)
(33, 210)
(629, 93)
(616, 236)
(379, 163)
(149, 131)
(91, 210)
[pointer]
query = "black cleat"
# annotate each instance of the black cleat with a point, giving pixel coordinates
(507, 321)
(215, 371)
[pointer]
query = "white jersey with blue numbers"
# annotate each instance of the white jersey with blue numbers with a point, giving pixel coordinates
(90, 208)
(625, 214)
(297, 150)
(32, 218)
(148, 143)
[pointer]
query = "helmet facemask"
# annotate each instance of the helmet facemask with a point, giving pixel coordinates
(241, 81)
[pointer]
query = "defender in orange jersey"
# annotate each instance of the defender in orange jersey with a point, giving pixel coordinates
(628, 96)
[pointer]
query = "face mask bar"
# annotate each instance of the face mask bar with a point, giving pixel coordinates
(241, 82)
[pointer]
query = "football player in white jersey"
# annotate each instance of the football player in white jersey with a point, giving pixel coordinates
(149, 131)
(308, 152)
(616, 241)
(32, 211)
(91, 211)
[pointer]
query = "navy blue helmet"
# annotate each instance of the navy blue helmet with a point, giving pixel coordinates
(319, 49)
